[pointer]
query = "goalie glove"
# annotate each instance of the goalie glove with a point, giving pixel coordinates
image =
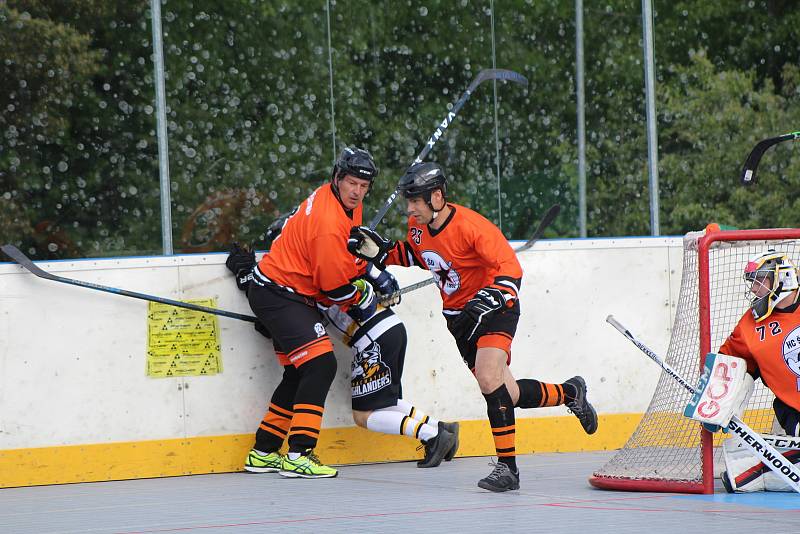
(480, 308)
(367, 302)
(723, 391)
(369, 245)
(240, 262)
(385, 283)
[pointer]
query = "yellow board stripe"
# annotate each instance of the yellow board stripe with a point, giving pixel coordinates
(337, 446)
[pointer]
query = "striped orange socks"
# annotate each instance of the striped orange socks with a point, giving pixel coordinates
(535, 394)
(500, 410)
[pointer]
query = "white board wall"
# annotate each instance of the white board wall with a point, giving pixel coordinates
(72, 360)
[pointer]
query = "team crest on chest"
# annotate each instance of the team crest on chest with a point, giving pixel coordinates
(447, 278)
(791, 353)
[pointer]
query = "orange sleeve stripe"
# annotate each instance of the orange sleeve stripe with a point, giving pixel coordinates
(503, 429)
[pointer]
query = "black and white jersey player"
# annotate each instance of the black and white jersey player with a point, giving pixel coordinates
(379, 347)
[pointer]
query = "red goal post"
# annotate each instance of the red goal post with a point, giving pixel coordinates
(667, 452)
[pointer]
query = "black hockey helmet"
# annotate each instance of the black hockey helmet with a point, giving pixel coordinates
(421, 179)
(355, 162)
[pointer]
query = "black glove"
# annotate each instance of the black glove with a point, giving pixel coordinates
(480, 308)
(384, 282)
(276, 227)
(369, 245)
(240, 262)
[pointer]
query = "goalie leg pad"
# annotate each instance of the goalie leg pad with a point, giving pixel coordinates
(745, 473)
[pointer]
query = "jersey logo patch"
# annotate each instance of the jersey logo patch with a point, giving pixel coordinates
(368, 371)
(791, 353)
(447, 278)
(319, 329)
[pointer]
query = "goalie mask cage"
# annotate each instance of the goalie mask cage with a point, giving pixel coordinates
(668, 452)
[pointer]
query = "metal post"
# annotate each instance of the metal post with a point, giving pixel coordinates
(496, 126)
(330, 79)
(650, 89)
(581, 94)
(161, 121)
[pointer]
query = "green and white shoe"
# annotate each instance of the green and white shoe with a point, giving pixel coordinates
(306, 466)
(256, 463)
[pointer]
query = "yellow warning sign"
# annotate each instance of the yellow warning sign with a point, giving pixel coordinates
(182, 342)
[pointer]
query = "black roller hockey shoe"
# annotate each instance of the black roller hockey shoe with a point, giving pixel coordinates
(453, 429)
(502, 478)
(437, 448)
(580, 407)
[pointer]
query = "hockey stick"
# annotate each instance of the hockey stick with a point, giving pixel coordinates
(748, 176)
(15, 254)
(548, 218)
(765, 452)
(484, 75)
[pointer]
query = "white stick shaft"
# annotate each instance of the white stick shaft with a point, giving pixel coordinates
(653, 356)
(765, 452)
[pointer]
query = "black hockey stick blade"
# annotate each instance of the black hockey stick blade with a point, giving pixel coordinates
(546, 221)
(15, 254)
(497, 74)
(748, 176)
(484, 75)
(548, 218)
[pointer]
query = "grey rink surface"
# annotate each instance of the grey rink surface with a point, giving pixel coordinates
(554, 497)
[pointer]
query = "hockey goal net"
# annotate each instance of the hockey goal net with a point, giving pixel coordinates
(668, 452)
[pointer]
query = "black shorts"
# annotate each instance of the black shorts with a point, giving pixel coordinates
(379, 349)
(788, 417)
(499, 333)
(297, 326)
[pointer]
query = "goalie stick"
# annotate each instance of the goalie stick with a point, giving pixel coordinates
(15, 254)
(484, 75)
(748, 176)
(548, 218)
(762, 450)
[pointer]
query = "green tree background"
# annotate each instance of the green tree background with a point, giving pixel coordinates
(261, 97)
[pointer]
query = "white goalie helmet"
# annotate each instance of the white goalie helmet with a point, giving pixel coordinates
(770, 277)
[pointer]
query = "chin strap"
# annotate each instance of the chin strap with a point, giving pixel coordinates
(435, 211)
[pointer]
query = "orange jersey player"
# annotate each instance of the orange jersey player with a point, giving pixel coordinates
(479, 277)
(378, 344)
(768, 334)
(309, 264)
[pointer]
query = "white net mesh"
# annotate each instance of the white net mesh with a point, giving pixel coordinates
(666, 446)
